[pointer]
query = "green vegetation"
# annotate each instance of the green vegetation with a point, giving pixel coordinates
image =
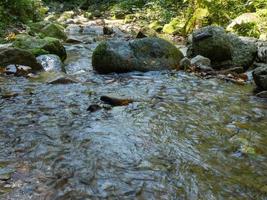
(169, 16)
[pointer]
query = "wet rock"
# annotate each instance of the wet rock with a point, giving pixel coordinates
(39, 46)
(262, 94)
(107, 30)
(18, 57)
(223, 49)
(93, 108)
(147, 54)
(50, 63)
(63, 80)
(115, 101)
(260, 77)
(185, 63)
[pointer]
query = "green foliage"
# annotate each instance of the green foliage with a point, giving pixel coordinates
(250, 29)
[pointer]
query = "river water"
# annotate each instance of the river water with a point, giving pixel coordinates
(183, 137)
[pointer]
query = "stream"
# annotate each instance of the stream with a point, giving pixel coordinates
(183, 137)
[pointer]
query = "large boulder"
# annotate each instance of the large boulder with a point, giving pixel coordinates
(146, 54)
(223, 49)
(17, 56)
(260, 77)
(38, 46)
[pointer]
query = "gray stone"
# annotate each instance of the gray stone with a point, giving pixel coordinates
(50, 63)
(146, 54)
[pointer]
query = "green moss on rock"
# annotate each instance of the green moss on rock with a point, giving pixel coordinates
(40, 46)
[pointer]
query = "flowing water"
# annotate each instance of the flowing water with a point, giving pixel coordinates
(182, 138)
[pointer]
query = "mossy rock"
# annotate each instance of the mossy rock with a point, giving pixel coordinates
(48, 29)
(40, 46)
(223, 49)
(146, 54)
(55, 31)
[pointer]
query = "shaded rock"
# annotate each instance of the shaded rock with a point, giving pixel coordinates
(260, 77)
(147, 54)
(140, 34)
(237, 70)
(51, 62)
(38, 46)
(223, 49)
(18, 56)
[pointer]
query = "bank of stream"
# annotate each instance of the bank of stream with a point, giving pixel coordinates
(183, 137)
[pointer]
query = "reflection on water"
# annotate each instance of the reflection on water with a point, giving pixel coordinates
(182, 138)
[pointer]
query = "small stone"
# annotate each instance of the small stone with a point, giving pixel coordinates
(63, 80)
(93, 108)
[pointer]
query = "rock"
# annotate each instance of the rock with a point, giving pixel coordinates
(51, 62)
(262, 94)
(107, 30)
(146, 54)
(200, 60)
(38, 46)
(202, 63)
(93, 108)
(115, 101)
(54, 30)
(63, 80)
(72, 40)
(185, 63)
(223, 49)
(262, 53)
(260, 77)
(140, 34)
(18, 56)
